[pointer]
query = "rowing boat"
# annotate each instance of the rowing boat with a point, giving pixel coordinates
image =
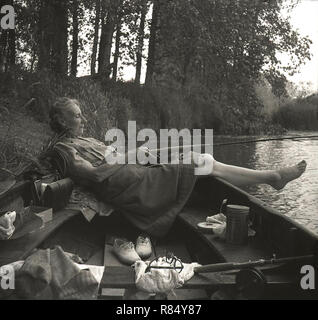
(276, 236)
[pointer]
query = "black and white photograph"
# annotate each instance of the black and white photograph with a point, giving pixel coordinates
(158, 154)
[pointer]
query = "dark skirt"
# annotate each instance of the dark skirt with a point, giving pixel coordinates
(150, 197)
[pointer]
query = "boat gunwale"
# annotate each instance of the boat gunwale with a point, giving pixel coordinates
(269, 209)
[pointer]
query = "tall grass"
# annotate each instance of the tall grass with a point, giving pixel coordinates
(28, 97)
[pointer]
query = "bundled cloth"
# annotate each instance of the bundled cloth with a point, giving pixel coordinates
(161, 276)
(87, 203)
(6, 225)
(52, 274)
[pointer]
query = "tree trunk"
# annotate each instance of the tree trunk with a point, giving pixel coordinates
(101, 53)
(3, 49)
(108, 28)
(141, 36)
(33, 59)
(96, 31)
(60, 50)
(45, 35)
(152, 42)
(11, 49)
(117, 49)
(3, 43)
(75, 39)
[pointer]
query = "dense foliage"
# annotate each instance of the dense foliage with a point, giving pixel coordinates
(206, 55)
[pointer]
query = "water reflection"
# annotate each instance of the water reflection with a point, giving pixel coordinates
(299, 199)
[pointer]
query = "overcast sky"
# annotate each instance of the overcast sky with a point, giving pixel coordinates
(305, 19)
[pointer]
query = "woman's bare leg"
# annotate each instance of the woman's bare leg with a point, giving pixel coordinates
(245, 177)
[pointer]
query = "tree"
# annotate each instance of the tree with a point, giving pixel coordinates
(45, 34)
(141, 37)
(60, 37)
(75, 13)
(96, 31)
(109, 14)
(152, 41)
(117, 48)
(234, 42)
(53, 36)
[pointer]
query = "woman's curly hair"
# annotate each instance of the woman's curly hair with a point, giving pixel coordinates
(56, 112)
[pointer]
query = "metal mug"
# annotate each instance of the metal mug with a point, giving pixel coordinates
(237, 224)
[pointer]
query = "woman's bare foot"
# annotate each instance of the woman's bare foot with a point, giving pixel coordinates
(285, 175)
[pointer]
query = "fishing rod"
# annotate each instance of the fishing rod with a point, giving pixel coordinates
(235, 142)
(227, 266)
(266, 140)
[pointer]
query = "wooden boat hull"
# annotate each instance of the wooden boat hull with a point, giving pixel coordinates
(275, 234)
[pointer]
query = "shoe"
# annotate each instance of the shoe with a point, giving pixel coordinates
(125, 251)
(143, 247)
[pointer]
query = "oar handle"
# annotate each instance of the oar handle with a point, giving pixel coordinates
(229, 266)
(218, 267)
(213, 268)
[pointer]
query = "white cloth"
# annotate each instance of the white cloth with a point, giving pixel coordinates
(161, 280)
(97, 271)
(16, 266)
(6, 225)
(218, 224)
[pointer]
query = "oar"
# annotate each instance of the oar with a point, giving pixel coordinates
(218, 267)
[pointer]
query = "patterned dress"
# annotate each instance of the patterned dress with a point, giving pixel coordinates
(150, 197)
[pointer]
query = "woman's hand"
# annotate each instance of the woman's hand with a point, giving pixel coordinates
(145, 150)
(145, 157)
(110, 150)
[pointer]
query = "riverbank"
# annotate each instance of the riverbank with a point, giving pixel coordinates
(299, 114)
(26, 98)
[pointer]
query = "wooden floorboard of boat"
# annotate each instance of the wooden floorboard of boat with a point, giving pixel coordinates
(226, 252)
(19, 249)
(119, 280)
(124, 277)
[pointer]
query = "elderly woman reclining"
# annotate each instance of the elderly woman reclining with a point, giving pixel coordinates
(148, 196)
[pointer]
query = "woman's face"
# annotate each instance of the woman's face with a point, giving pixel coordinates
(73, 119)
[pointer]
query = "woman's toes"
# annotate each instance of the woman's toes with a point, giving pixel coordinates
(288, 174)
(302, 166)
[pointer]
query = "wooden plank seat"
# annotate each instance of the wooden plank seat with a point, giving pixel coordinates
(226, 252)
(19, 249)
(21, 195)
(119, 276)
(124, 277)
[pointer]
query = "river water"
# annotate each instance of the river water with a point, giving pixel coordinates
(299, 199)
